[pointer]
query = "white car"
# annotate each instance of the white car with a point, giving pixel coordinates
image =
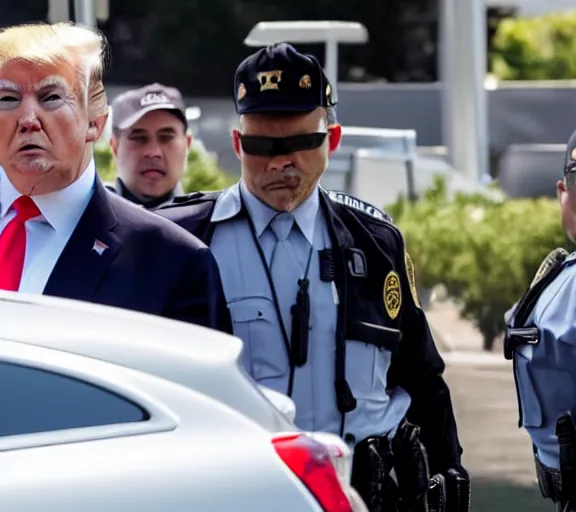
(107, 410)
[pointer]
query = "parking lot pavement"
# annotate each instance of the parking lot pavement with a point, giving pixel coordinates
(497, 453)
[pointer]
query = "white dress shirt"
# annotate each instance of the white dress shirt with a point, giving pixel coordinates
(47, 234)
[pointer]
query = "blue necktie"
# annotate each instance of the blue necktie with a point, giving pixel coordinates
(284, 267)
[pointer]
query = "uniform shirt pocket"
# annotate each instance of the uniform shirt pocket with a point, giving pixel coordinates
(255, 322)
(367, 369)
(529, 400)
(368, 355)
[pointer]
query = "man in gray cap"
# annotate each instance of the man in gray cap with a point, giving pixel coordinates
(150, 142)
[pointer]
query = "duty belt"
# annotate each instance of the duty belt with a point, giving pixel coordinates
(549, 479)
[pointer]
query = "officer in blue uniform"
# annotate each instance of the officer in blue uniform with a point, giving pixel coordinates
(541, 341)
(321, 290)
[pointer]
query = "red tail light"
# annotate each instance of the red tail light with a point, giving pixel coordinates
(310, 461)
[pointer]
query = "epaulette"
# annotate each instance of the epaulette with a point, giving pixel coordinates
(554, 257)
(192, 198)
(361, 206)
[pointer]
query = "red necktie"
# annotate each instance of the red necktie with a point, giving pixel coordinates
(13, 243)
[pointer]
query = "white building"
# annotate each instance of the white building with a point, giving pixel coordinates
(534, 7)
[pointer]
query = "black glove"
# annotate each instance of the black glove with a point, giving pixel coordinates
(411, 468)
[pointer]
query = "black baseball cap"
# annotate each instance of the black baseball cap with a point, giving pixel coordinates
(129, 107)
(278, 78)
(570, 156)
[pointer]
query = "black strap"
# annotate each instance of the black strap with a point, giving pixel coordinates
(379, 336)
(295, 356)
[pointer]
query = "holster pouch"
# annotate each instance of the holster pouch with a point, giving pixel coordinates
(411, 468)
(566, 432)
(457, 491)
(437, 494)
(371, 467)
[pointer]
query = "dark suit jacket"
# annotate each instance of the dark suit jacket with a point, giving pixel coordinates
(149, 265)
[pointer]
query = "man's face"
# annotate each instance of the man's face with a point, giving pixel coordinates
(44, 127)
(151, 155)
(283, 181)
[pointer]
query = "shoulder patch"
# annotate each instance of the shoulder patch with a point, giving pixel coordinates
(548, 263)
(392, 294)
(411, 278)
(356, 204)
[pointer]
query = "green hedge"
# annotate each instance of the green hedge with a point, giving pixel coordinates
(202, 172)
(484, 252)
(536, 48)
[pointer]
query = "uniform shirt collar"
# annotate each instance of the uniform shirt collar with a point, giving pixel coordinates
(229, 204)
(62, 208)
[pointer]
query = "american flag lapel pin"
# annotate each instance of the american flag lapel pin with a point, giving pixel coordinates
(99, 247)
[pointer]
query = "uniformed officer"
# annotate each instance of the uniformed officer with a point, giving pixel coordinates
(321, 290)
(541, 340)
(150, 142)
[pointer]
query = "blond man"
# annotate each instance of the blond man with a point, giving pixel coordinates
(61, 232)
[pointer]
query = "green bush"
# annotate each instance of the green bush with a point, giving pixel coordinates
(202, 172)
(537, 48)
(484, 252)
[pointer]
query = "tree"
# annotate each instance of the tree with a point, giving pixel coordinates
(538, 48)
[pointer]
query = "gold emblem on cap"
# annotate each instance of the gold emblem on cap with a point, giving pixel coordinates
(305, 82)
(573, 154)
(392, 294)
(241, 91)
(328, 91)
(269, 80)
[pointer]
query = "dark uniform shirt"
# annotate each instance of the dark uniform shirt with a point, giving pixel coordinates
(118, 187)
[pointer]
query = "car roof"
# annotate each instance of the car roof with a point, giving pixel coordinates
(199, 358)
(166, 348)
(31, 318)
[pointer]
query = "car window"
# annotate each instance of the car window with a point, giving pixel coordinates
(33, 400)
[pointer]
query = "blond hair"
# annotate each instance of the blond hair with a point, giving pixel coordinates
(57, 44)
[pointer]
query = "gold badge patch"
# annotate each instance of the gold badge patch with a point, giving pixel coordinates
(392, 294)
(305, 82)
(411, 279)
(269, 80)
(241, 91)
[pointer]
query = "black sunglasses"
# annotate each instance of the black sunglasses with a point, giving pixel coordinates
(260, 145)
(570, 168)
